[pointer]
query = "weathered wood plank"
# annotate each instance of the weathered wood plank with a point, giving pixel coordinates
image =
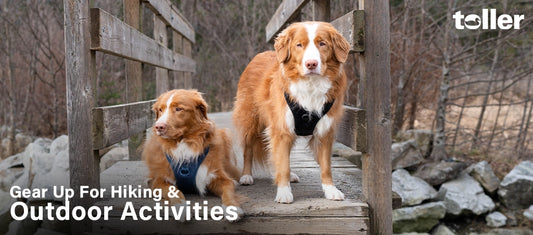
(187, 76)
(248, 225)
(161, 74)
(377, 163)
(321, 10)
(132, 17)
(109, 34)
(80, 76)
(352, 129)
(287, 10)
(351, 26)
(113, 124)
(172, 17)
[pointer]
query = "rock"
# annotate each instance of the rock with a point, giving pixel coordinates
(516, 188)
(411, 234)
(436, 173)
(483, 173)
(423, 139)
(511, 218)
(442, 230)
(411, 189)
(502, 231)
(114, 155)
(42, 231)
(5, 216)
(9, 176)
(464, 195)
(496, 219)
(12, 161)
(59, 175)
(21, 141)
(341, 150)
(26, 226)
(405, 154)
(529, 213)
(418, 218)
(60, 144)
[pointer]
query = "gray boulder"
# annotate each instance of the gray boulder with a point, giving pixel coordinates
(503, 231)
(442, 230)
(436, 173)
(496, 219)
(516, 187)
(341, 150)
(420, 218)
(483, 173)
(9, 176)
(12, 161)
(529, 213)
(59, 174)
(464, 195)
(114, 155)
(411, 189)
(5, 205)
(405, 154)
(423, 139)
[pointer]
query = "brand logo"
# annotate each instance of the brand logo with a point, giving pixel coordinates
(488, 20)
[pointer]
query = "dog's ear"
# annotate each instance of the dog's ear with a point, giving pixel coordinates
(282, 46)
(341, 47)
(201, 106)
(156, 111)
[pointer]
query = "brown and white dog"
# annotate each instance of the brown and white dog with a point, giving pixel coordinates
(298, 90)
(182, 133)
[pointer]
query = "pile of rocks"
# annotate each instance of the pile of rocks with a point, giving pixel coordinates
(432, 193)
(43, 163)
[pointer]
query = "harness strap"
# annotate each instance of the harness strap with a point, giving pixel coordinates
(305, 121)
(185, 173)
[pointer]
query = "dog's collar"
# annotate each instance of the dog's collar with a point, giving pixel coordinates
(305, 121)
(185, 173)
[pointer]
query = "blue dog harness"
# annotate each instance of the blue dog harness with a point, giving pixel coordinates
(305, 121)
(185, 173)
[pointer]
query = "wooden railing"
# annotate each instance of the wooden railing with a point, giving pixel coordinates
(92, 128)
(365, 128)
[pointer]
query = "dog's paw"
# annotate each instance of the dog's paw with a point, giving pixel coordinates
(246, 180)
(294, 178)
(230, 217)
(284, 195)
(332, 193)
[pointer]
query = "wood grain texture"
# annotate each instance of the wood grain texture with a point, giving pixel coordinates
(351, 26)
(377, 163)
(80, 76)
(109, 34)
(113, 124)
(161, 74)
(287, 10)
(352, 129)
(132, 17)
(172, 17)
(321, 10)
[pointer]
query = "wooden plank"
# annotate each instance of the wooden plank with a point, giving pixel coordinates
(287, 10)
(351, 26)
(352, 129)
(187, 76)
(248, 225)
(321, 10)
(110, 35)
(172, 17)
(113, 124)
(132, 17)
(161, 74)
(177, 46)
(377, 163)
(80, 75)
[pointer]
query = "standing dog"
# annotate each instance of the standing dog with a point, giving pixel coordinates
(187, 150)
(298, 90)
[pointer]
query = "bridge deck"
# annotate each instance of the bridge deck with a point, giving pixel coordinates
(310, 213)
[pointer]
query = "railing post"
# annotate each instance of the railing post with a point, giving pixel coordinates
(321, 10)
(80, 76)
(377, 162)
(132, 16)
(161, 74)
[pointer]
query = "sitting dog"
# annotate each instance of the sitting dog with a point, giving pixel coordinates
(186, 150)
(298, 90)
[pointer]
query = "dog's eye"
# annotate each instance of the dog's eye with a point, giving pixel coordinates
(322, 44)
(299, 45)
(178, 109)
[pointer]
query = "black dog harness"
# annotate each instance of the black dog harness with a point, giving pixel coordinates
(185, 173)
(305, 121)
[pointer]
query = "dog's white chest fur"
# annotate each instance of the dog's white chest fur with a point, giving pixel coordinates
(310, 93)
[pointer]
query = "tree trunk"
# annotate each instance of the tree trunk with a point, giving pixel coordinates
(400, 99)
(13, 105)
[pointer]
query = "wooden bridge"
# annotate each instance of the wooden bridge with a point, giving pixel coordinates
(366, 128)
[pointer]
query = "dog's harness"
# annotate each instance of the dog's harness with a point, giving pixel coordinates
(305, 121)
(185, 173)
